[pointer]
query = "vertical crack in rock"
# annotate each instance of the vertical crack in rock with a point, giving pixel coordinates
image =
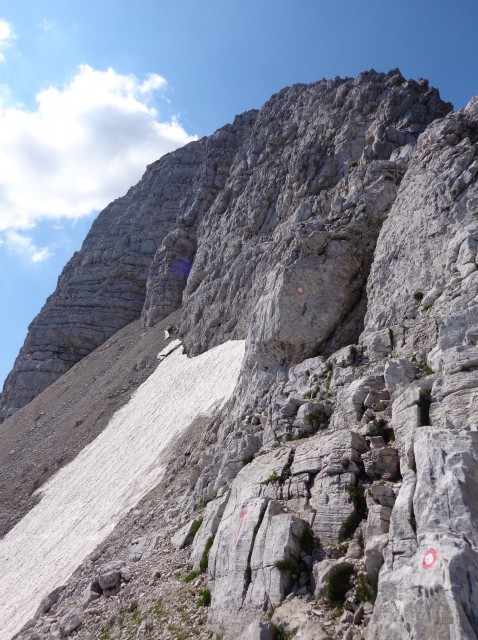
(248, 571)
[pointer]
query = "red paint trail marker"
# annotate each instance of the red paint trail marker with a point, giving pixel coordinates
(429, 559)
(243, 515)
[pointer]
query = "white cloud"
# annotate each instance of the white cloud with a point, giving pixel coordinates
(23, 245)
(7, 37)
(84, 145)
(45, 25)
(152, 82)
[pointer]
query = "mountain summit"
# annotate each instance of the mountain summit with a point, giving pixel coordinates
(255, 387)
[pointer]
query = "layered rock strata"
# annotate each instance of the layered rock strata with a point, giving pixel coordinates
(344, 470)
(249, 229)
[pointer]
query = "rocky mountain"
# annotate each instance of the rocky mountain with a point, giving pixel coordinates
(318, 480)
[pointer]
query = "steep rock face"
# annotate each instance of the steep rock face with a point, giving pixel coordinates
(299, 216)
(103, 287)
(257, 224)
(430, 283)
(350, 474)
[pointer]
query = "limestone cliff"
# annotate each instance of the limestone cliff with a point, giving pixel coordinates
(259, 208)
(334, 496)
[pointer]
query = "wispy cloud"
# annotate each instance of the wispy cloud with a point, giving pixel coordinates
(24, 246)
(84, 145)
(7, 37)
(45, 25)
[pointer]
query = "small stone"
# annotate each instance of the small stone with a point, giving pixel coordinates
(108, 577)
(358, 615)
(71, 621)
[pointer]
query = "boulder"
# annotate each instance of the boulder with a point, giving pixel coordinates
(274, 558)
(297, 617)
(109, 576)
(323, 571)
(382, 463)
(71, 621)
(185, 535)
(211, 518)
(259, 630)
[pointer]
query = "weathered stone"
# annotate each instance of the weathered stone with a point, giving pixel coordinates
(382, 463)
(71, 621)
(297, 616)
(322, 572)
(109, 576)
(185, 535)
(49, 601)
(259, 630)
(376, 539)
(416, 589)
(211, 518)
(91, 593)
(274, 558)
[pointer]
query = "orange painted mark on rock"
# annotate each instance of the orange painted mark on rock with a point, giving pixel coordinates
(429, 558)
(243, 515)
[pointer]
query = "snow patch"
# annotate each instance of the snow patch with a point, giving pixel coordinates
(86, 499)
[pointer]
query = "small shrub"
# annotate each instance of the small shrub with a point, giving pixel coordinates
(281, 634)
(204, 598)
(388, 435)
(428, 370)
(133, 605)
(364, 592)
(105, 633)
(307, 373)
(158, 610)
(348, 528)
(273, 478)
(203, 563)
(286, 474)
(247, 460)
(288, 564)
(339, 583)
(350, 524)
(307, 395)
(427, 306)
(418, 295)
(329, 379)
(413, 523)
(307, 539)
(357, 495)
(189, 577)
(195, 526)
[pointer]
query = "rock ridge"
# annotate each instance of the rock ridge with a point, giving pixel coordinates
(270, 200)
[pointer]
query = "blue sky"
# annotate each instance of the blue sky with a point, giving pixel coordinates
(92, 91)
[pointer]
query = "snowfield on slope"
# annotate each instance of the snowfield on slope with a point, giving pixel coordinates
(85, 500)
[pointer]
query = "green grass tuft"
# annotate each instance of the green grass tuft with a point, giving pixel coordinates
(338, 583)
(204, 598)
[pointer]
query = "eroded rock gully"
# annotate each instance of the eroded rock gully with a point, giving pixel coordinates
(335, 495)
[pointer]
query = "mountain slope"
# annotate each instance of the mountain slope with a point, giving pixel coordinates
(334, 231)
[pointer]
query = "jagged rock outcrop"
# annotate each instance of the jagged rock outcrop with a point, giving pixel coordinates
(256, 224)
(430, 284)
(343, 471)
